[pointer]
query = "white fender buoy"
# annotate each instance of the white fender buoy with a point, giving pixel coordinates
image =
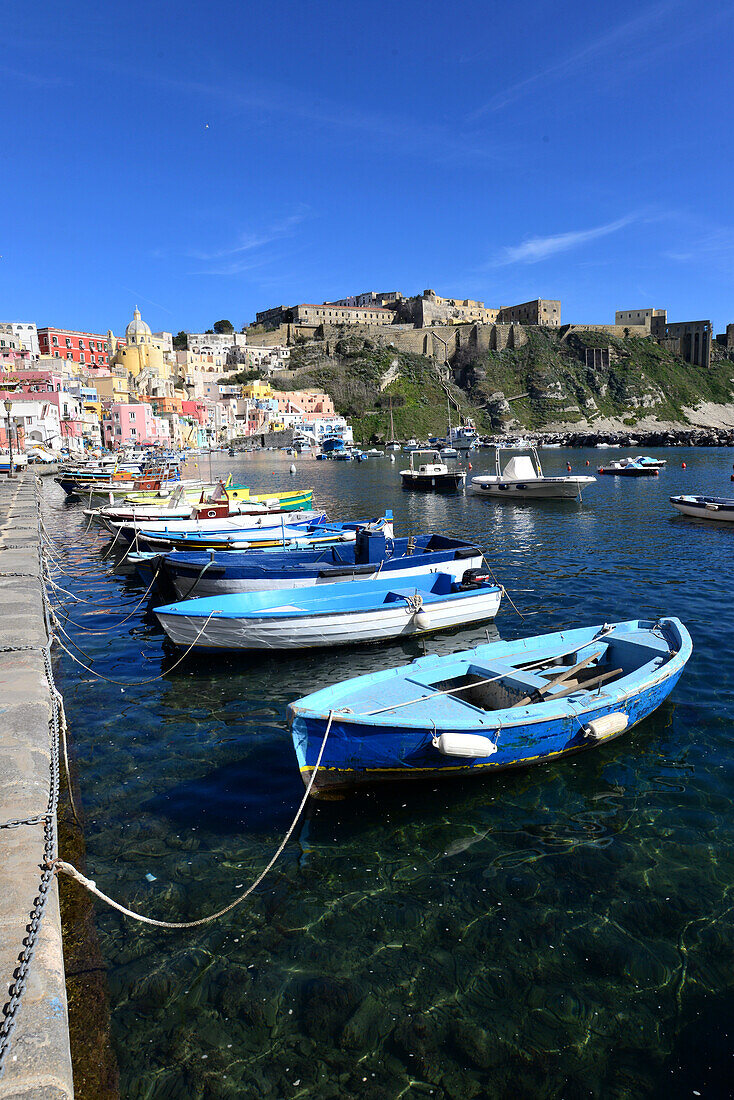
(392, 457)
(293, 467)
(607, 726)
(464, 744)
(421, 620)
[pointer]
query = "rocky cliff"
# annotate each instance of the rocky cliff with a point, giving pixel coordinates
(583, 381)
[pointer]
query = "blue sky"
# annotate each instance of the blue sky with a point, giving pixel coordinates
(207, 161)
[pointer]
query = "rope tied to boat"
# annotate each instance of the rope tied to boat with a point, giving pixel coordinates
(414, 603)
(60, 866)
(502, 587)
(133, 683)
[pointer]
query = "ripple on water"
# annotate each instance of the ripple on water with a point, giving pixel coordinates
(565, 931)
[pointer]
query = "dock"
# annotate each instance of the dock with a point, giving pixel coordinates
(34, 1034)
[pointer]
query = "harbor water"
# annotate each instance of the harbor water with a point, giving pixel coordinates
(563, 931)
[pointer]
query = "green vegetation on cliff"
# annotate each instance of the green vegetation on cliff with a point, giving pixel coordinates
(353, 376)
(547, 381)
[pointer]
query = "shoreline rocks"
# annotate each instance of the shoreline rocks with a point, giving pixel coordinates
(662, 437)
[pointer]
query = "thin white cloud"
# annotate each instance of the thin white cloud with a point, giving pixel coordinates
(247, 242)
(714, 246)
(536, 249)
(634, 31)
(236, 258)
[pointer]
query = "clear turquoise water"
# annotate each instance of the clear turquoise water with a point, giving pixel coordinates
(562, 932)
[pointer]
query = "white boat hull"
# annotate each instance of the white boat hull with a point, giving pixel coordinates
(219, 586)
(722, 515)
(543, 489)
(230, 524)
(328, 629)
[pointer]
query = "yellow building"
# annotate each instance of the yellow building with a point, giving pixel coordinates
(114, 387)
(257, 389)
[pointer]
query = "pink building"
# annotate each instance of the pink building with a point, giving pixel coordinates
(135, 423)
(35, 385)
(304, 401)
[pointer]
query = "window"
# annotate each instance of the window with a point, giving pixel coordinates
(56, 355)
(118, 431)
(81, 356)
(55, 341)
(133, 431)
(68, 342)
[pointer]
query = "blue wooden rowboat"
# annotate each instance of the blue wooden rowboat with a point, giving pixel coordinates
(501, 705)
(329, 614)
(372, 555)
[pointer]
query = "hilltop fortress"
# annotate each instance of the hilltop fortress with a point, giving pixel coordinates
(439, 328)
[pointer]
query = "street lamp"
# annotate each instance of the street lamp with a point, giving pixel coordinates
(8, 408)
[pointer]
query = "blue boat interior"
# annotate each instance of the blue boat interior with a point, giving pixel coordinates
(327, 599)
(479, 681)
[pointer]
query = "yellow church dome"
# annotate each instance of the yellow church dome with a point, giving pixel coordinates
(137, 329)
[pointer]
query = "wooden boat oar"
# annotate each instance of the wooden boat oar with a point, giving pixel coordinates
(595, 681)
(538, 694)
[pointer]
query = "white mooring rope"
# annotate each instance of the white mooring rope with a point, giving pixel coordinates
(60, 866)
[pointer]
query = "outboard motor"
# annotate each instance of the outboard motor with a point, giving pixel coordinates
(474, 578)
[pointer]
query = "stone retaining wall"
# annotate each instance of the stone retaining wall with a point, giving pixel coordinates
(38, 1060)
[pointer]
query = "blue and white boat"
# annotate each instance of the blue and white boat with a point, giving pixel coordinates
(717, 508)
(329, 614)
(371, 555)
(501, 705)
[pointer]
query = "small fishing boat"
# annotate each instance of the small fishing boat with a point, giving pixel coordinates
(371, 555)
(464, 437)
(448, 452)
(716, 508)
(220, 523)
(303, 536)
(410, 445)
(330, 614)
(501, 705)
(432, 476)
(176, 506)
(628, 467)
(523, 477)
(291, 501)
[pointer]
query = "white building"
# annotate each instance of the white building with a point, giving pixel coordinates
(369, 298)
(41, 424)
(221, 342)
(25, 333)
(165, 339)
(268, 359)
(319, 428)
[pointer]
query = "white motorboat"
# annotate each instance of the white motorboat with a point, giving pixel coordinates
(523, 477)
(432, 476)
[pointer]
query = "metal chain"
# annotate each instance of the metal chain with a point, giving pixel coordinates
(23, 821)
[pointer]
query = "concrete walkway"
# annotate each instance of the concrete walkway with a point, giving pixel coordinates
(37, 1064)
